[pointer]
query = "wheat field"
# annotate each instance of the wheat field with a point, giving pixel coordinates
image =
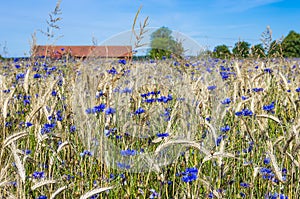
(192, 128)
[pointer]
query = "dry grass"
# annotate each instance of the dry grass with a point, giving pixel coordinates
(194, 119)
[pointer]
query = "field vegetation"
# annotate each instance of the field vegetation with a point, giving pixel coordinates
(220, 125)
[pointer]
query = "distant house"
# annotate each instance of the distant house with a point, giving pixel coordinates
(57, 52)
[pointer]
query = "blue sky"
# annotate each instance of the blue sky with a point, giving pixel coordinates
(207, 22)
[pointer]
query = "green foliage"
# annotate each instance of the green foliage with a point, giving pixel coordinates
(241, 49)
(221, 51)
(163, 44)
(275, 49)
(291, 45)
(258, 51)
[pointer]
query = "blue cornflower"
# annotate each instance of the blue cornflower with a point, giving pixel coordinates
(72, 128)
(127, 90)
(149, 100)
(28, 124)
(269, 107)
(244, 97)
(6, 91)
(225, 128)
(176, 63)
(27, 151)
(162, 135)
(54, 93)
(226, 101)
(47, 128)
(257, 90)
(210, 88)
(223, 68)
(249, 149)
(224, 75)
(267, 160)
(162, 99)
(298, 90)
(219, 139)
(86, 153)
(60, 82)
(123, 165)
(26, 102)
(36, 76)
(99, 94)
(189, 175)
(244, 112)
(110, 111)
(13, 183)
(143, 95)
(95, 196)
(167, 114)
(90, 111)
(59, 115)
(99, 108)
(111, 176)
(42, 197)
(268, 70)
(112, 71)
(128, 152)
(38, 174)
(139, 111)
(245, 185)
(275, 196)
(20, 76)
(8, 124)
(154, 194)
(122, 61)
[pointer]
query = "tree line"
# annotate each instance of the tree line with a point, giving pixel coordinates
(288, 47)
(163, 45)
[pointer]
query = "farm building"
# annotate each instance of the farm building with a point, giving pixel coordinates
(83, 52)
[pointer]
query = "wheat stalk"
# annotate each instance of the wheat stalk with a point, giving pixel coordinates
(183, 142)
(14, 137)
(19, 165)
(2, 184)
(273, 161)
(41, 102)
(58, 191)
(10, 196)
(42, 183)
(26, 81)
(94, 191)
(270, 117)
(4, 113)
(218, 155)
(61, 146)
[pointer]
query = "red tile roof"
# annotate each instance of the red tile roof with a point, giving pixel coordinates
(83, 51)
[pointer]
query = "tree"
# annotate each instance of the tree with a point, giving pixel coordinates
(221, 51)
(241, 49)
(291, 45)
(163, 44)
(275, 49)
(258, 51)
